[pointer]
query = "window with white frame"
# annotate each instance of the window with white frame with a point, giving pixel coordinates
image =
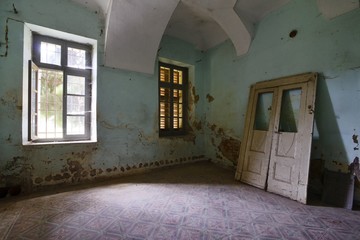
(60, 90)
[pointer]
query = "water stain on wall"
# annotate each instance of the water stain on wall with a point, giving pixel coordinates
(75, 172)
(197, 125)
(11, 104)
(194, 95)
(227, 147)
(230, 148)
(209, 98)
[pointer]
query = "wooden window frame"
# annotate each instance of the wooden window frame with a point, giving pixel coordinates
(34, 67)
(171, 131)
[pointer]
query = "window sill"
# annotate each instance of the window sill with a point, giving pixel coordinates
(57, 143)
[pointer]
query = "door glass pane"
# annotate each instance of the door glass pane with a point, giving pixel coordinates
(290, 108)
(263, 111)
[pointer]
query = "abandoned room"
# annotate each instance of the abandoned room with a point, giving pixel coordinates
(179, 119)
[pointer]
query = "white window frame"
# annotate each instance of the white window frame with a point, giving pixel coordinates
(29, 30)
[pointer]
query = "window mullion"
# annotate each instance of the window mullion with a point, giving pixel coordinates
(65, 91)
(171, 99)
(64, 110)
(88, 100)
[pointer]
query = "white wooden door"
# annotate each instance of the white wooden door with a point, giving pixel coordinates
(258, 147)
(291, 145)
(275, 153)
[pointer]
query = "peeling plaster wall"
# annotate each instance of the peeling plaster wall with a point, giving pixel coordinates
(127, 108)
(331, 48)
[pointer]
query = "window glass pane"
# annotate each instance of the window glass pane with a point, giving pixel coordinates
(50, 53)
(164, 74)
(50, 104)
(162, 123)
(178, 77)
(165, 94)
(34, 101)
(76, 58)
(176, 123)
(263, 111)
(75, 125)
(162, 109)
(177, 96)
(75, 85)
(75, 105)
(180, 99)
(180, 110)
(176, 110)
(180, 123)
(290, 108)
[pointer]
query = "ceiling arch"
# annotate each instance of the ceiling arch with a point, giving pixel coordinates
(134, 31)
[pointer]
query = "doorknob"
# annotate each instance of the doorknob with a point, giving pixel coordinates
(311, 110)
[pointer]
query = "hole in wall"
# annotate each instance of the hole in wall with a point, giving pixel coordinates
(293, 33)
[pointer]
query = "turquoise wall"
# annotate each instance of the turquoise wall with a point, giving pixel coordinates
(329, 47)
(127, 101)
(127, 107)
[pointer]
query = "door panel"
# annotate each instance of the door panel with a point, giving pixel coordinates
(275, 153)
(258, 142)
(285, 155)
(286, 145)
(283, 172)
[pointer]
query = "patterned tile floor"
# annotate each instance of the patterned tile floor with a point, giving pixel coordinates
(192, 201)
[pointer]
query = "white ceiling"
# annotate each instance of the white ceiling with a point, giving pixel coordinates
(134, 28)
